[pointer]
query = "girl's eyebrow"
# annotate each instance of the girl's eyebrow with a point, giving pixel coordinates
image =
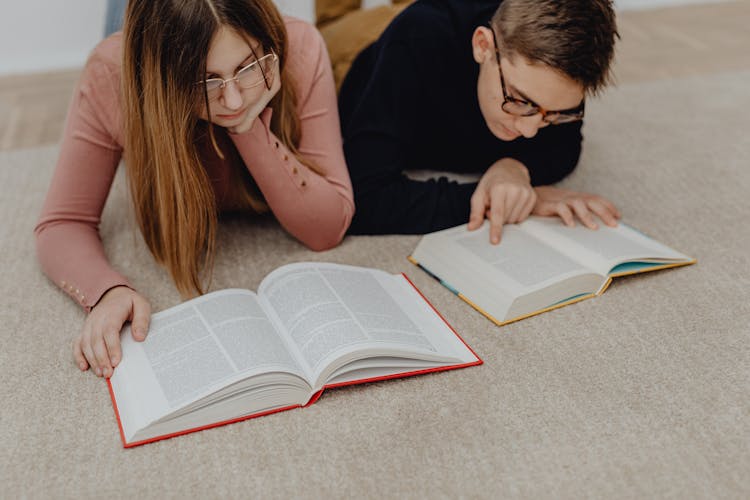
(254, 52)
(245, 61)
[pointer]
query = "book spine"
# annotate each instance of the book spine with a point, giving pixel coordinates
(435, 276)
(455, 292)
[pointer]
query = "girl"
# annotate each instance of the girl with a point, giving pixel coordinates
(215, 105)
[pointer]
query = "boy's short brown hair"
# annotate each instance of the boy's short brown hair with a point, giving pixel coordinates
(576, 37)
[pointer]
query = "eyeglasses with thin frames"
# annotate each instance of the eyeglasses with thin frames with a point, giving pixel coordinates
(257, 72)
(523, 107)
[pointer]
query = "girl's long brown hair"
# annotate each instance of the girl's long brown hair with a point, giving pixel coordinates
(165, 47)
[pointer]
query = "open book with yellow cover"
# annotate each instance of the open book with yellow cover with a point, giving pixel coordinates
(539, 265)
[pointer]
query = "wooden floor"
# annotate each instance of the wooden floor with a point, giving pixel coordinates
(655, 44)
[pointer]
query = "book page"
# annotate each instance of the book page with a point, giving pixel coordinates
(525, 260)
(601, 249)
(490, 276)
(196, 348)
(493, 278)
(329, 309)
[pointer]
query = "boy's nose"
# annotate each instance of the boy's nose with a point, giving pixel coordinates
(530, 125)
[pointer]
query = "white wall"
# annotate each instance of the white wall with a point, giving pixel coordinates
(38, 35)
(653, 4)
(304, 9)
(45, 35)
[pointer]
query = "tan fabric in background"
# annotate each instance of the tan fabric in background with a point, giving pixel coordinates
(330, 10)
(347, 30)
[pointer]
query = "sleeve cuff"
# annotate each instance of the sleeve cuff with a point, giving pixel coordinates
(88, 296)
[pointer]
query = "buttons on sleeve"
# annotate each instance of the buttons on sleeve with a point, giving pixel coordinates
(284, 155)
(74, 292)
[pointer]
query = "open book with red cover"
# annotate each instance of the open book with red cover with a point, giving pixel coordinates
(231, 355)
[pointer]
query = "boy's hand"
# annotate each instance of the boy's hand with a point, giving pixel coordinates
(504, 194)
(98, 346)
(568, 204)
(257, 108)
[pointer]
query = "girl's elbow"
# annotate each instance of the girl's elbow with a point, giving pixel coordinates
(328, 236)
(325, 240)
(323, 245)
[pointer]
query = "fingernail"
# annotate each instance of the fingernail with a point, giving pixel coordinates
(114, 360)
(98, 372)
(82, 366)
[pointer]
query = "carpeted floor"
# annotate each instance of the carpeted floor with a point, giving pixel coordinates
(642, 392)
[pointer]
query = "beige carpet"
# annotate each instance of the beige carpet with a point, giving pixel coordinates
(643, 392)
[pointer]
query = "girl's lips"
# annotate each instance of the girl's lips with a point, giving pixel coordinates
(232, 117)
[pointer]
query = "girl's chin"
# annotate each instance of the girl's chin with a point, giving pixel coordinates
(222, 122)
(227, 120)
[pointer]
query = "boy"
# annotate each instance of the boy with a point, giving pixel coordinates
(490, 87)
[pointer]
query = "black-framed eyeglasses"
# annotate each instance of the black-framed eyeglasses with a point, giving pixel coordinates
(257, 72)
(524, 107)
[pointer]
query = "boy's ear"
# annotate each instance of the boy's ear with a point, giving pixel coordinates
(482, 44)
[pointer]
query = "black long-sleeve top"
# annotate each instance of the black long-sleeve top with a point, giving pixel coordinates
(409, 102)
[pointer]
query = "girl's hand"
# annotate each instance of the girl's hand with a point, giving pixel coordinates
(257, 108)
(504, 195)
(98, 346)
(568, 204)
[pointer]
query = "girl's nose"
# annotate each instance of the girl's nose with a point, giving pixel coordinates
(232, 95)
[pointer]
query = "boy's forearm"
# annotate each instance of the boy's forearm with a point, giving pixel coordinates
(405, 206)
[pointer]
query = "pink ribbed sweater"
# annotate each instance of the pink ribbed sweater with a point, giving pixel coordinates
(316, 209)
